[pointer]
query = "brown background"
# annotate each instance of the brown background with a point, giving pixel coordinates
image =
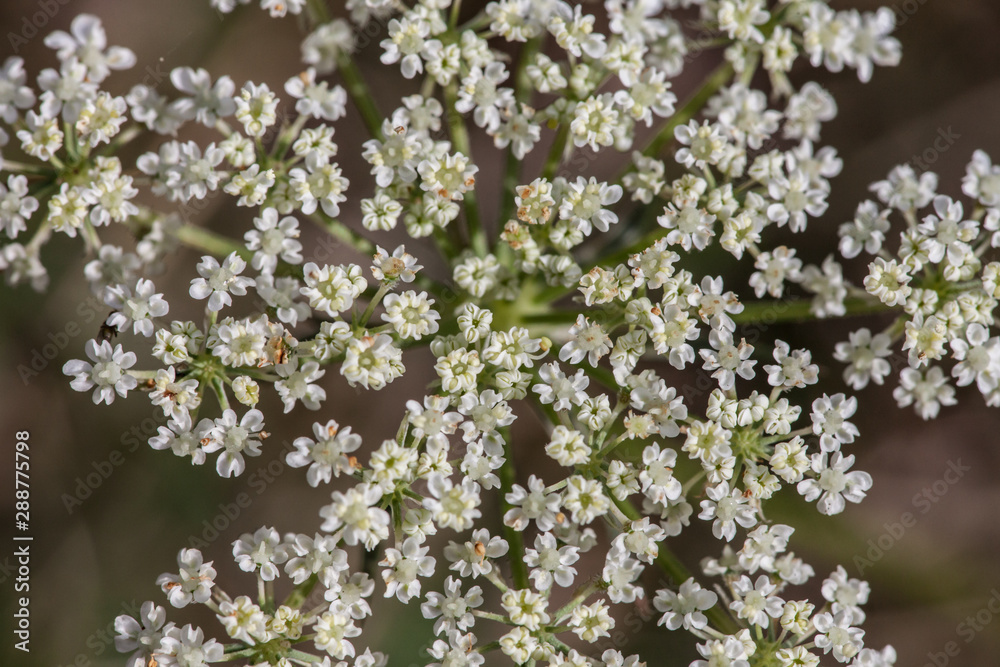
(109, 550)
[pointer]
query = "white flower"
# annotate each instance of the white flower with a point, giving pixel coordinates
(410, 314)
(657, 474)
(348, 592)
(829, 418)
(16, 206)
(595, 123)
(332, 289)
(866, 231)
(762, 546)
(402, 567)
(261, 551)
(728, 360)
(256, 108)
(317, 100)
(452, 609)
(519, 645)
(318, 185)
(380, 212)
(866, 357)
(871, 44)
(141, 637)
(684, 607)
(927, 392)
(533, 504)
(774, 269)
(834, 484)
(251, 185)
(979, 359)
(325, 45)
(193, 583)
(217, 282)
(453, 506)
(176, 398)
(904, 190)
(138, 309)
(584, 201)
(982, 179)
(208, 102)
(480, 91)
(327, 454)
(728, 508)
(432, 419)
(42, 138)
(591, 622)
(702, 144)
(101, 118)
(186, 647)
(574, 31)
(108, 374)
(567, 447)
(333, 629)
(472, 558)
(585, 499)
(87, 42)
(794, 369)
(757, 601)
(235, 439)
(405, 43)
(357, 513)
(272, 238)
(846, 594)
(551, 563)
(795, 197)
(314, 555)
(834, 633)
(560, 390)
(297, 384)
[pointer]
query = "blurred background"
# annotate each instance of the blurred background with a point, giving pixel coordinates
(99, 545)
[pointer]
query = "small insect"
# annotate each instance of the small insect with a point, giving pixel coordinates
(107, 332)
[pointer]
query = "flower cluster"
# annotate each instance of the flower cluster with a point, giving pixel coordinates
(573, 301)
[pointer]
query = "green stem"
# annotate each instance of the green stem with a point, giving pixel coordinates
(343, 233)
(583, 593)
(122, 138)
(456, 9)
(554, 159)
(508, 475)
(299, 594)
(675, 569)
(797, 310)
(25, 168)
(220, 393)
(715, 80)
(317, 12)
(360, 95)
(210, 242)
